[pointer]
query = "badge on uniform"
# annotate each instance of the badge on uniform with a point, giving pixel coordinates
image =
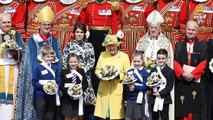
(199, 10)
(104, 12)
(138, 8)
(174, 8)
(9, 10)
(207, 9)
(44, 72)
(74, 11)
(69, 75)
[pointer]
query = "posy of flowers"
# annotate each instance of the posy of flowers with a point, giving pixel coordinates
(9, 41)
(75, 90)
(51, 88)
(153, 79)
(108, 72)
(128, 78)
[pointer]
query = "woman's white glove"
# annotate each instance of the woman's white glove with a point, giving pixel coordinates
(120, 34)
(87, 34)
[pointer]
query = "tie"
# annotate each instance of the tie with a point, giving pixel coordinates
(74, 78)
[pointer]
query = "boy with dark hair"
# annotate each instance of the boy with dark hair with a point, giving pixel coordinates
(160, 97)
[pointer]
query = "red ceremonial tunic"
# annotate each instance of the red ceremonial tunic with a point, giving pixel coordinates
(66, 17)
(202, 13)
(99, 14)
(174, 14)
(18, 13)
(33, 9)
(132, 18)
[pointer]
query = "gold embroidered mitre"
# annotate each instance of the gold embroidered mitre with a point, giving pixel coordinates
(46, 15)
(155, 18)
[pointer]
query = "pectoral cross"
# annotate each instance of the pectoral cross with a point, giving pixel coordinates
(194, 93)
(182, 98)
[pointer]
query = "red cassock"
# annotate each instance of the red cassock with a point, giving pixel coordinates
(33, 9)
(174, 14)
(18, 12)
(202, 13)
(99, 14)
(133, 23)
(66, 17)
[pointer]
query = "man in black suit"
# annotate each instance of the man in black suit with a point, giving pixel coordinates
(189, 66)
(160, 97)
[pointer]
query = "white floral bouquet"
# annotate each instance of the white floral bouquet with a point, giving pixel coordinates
(153, 80)
(129, 78)
(108, 72)
(51, 88)
(75, 91)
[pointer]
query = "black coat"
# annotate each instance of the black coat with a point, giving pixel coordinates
(168, 73)
(186, 89)
(65, 97)
(210, 83)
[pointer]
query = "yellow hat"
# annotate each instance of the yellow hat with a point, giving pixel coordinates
(111, 39)
(46, 15)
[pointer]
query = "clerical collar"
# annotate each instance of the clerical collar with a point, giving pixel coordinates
(44, 37)
(191, 42)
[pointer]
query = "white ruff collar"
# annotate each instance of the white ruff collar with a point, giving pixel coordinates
(133, 1)
(68, 2)
(39, 0)
(6, 1)
(200, 0)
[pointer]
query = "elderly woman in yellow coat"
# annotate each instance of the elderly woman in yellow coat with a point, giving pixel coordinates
(109, 103)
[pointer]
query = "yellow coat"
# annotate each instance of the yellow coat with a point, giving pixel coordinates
(111, 92)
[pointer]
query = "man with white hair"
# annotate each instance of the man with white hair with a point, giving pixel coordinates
(17, 10)
(151, 42)
(189, 66)
(11, 50)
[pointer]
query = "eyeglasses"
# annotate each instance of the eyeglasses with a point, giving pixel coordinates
(46, 25)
